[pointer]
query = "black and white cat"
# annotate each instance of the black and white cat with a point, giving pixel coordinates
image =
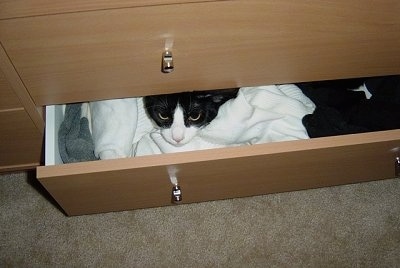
(181, 115)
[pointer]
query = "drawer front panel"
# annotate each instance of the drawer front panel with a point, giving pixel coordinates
(20, 141)
(25, 8)
(117, 53)
(124, 184)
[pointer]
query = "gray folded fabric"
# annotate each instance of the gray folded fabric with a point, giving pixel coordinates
(74, 138)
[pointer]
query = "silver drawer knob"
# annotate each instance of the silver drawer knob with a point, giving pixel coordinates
(176, 194)
(167, 62)
(397, 166)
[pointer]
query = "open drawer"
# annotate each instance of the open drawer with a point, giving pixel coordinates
(131, 183)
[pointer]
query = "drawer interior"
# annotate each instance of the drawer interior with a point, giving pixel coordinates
(142, 182)
(54, 118)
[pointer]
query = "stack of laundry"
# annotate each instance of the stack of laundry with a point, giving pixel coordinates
(121, 128)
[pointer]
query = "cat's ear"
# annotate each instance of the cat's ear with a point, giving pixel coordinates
(224, 95)
(202, 96)
(214, 97)
(219, 96)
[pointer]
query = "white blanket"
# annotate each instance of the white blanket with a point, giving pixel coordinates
(121, 128)
(257, 115)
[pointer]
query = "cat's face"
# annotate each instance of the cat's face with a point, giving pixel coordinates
(181, 115)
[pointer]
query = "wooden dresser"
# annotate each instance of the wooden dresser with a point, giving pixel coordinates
(55, 52)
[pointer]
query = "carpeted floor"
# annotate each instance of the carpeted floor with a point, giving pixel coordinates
(347, 226)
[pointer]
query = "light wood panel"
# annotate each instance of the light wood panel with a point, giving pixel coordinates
(13, 80)
(25, 8)
(20, 141)
(117, 53)
(113, 185)
(8, 99)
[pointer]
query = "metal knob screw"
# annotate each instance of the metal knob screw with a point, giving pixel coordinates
(167, 65)
(176, 194)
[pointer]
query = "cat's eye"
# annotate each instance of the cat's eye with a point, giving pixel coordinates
(163, 116)
(195, 117)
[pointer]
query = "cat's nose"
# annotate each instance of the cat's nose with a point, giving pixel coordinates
(178, 135)
(178, 139)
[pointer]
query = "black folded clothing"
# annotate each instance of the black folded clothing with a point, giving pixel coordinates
(341, 110)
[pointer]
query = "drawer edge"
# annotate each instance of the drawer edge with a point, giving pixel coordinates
(218, 154)
(224, 178)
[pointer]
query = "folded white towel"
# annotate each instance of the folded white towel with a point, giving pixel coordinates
(113, 127)
(257, 115)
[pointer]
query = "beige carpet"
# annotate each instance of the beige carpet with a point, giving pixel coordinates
(347, 226)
